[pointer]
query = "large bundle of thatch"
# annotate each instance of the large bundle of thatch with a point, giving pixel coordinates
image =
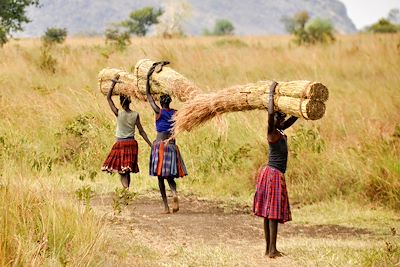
(303, 99)
(128, 85)
(167, 81)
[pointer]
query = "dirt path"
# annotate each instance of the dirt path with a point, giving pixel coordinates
(201, 226)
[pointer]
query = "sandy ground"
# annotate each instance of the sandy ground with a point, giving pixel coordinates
(200, 226)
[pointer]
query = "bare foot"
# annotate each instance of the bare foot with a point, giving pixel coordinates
(275, 254)
(166, 211)
(175, 205)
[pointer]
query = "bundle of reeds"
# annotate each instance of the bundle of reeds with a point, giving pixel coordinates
(167, 81)
(302, 99)
(127, 86)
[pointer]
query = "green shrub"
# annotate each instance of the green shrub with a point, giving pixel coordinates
(309, 32)
(383, 26)
(85, 194)
(54, 36)
(79, 145)
(319, 31)
(122, 197)
(222, 27)
(116, 38)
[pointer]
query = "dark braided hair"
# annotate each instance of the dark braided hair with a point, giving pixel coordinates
(124, 100)
(165, 100)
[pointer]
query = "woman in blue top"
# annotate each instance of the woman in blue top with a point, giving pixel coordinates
(165, 160)
(123, 157)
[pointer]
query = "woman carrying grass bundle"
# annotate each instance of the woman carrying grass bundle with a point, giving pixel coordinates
(271, 198)
(165, 160)
(123, 157)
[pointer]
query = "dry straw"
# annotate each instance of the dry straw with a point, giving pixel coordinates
(253, 96)
(303, 99)
(128, 85)
(168, 81)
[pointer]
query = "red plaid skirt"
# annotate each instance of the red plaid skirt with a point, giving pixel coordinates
(123, 157)
(271, 198)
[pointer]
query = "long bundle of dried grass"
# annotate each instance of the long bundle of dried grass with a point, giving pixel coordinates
(303, 99)
(128, 85)
(254, 96)
(303, 89)
(168, 81)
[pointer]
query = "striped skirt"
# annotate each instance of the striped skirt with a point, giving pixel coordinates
(271, 198)
(166, 160)
(123, 157)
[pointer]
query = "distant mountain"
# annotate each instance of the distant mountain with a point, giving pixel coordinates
(250, 17)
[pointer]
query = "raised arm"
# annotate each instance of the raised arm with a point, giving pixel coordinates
(110, 93)
(142, 132)
(271, 112)
(150, 98)
(289, 122)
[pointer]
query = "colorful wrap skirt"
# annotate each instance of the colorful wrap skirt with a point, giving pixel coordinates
(271, 198)
(123, 157)
(166, 160)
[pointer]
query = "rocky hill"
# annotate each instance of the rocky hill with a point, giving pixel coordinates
(250, 17)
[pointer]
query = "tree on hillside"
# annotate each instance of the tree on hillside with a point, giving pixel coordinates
(170, 22)
(12, 16)
(221, 27)
(296, 25)
(117, 38)
(308, 31)
(140, 20)
(54, 36)
(319, 31)
(383, 26)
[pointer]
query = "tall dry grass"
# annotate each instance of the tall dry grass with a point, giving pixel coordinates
(58, 125)
(353, 150)
(40, 227)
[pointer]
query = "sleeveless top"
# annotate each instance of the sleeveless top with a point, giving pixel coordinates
(126, 122)
(278, 153)
(164, 120)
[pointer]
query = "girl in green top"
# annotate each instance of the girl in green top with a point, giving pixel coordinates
(123, 157)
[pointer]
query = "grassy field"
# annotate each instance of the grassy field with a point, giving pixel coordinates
(56, 129)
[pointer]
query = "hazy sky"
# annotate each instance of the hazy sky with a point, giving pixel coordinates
(366, 12)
